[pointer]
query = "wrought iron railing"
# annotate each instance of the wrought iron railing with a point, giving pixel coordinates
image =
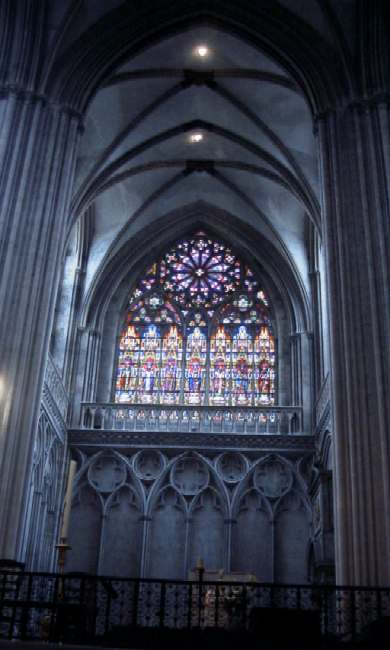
(206, 419)
(138, 613)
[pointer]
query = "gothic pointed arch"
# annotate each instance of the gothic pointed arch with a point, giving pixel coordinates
(121, 33)
(198, 331)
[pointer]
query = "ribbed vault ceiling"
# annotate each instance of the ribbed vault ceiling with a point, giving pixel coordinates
(256, 158)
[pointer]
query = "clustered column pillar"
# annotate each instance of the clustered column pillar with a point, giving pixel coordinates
(38, 144)
(354, 147)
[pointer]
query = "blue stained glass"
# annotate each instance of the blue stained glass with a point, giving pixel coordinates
(195, 367)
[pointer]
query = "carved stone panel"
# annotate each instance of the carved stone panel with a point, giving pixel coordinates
(46, 487)
(107, 473)
(252, 539)
(84, 532)
(257, 523)
(148, 464)
(190, 476)
(167, 537)
(273, 478)
(122, 535)
(207, 532)
(292, 530)
(231, 467)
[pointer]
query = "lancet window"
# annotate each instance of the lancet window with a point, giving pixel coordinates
(197, 331)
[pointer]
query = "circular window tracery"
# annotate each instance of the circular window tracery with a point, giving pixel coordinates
(190, 476)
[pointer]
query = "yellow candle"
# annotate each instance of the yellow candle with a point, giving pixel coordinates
(68, 500)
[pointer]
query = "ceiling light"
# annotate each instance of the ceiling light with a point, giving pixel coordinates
(202, 51)
(196, 137)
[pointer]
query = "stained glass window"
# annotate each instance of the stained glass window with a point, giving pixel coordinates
(195, 366)
(171, 366)
(198, 331)
(220, 367)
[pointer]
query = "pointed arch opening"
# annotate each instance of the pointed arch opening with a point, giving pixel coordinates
(197, 331)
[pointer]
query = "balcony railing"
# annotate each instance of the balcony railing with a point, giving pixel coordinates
(270, 420)
(139, 613)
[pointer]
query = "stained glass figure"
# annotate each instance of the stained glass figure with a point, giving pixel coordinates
(150, 359)
(171, 366)
(128, 366)
(195, 367)
(220, 367)
(265, 367)
(198, 331)
(242, 367)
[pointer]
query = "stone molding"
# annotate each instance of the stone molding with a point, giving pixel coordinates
(224, 442)
(55, 389)
(359, 104)
(26, 95)
(323, 402)
(50, 406)
(46, 488)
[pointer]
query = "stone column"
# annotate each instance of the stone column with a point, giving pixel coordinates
(318, 350)
(300, 345)
(91, 366)
(85, 367)
(354, 145)
(38, 143)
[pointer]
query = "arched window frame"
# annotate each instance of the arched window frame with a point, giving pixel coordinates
(211, 323)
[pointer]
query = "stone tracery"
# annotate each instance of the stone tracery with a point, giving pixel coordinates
(179, 506)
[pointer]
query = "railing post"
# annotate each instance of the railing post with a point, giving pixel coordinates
(200, 570)
(135, 603)
(103, 418)
(108, 609)
(244, 602)
(353, 614)
(216, 606)
(378, 603)
(189, 612)
(298, 597)
(278, 420)
(25, 610)
(162, 604)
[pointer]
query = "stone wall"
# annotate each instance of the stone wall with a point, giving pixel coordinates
(45, 495)
(155, 513)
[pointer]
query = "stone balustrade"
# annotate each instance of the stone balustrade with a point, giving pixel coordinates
(207, 419)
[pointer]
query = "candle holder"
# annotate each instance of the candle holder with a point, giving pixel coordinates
(200, 569)
(63, 547)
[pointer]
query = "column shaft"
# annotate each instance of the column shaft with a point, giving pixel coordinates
(355, 166)
(38, 145)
